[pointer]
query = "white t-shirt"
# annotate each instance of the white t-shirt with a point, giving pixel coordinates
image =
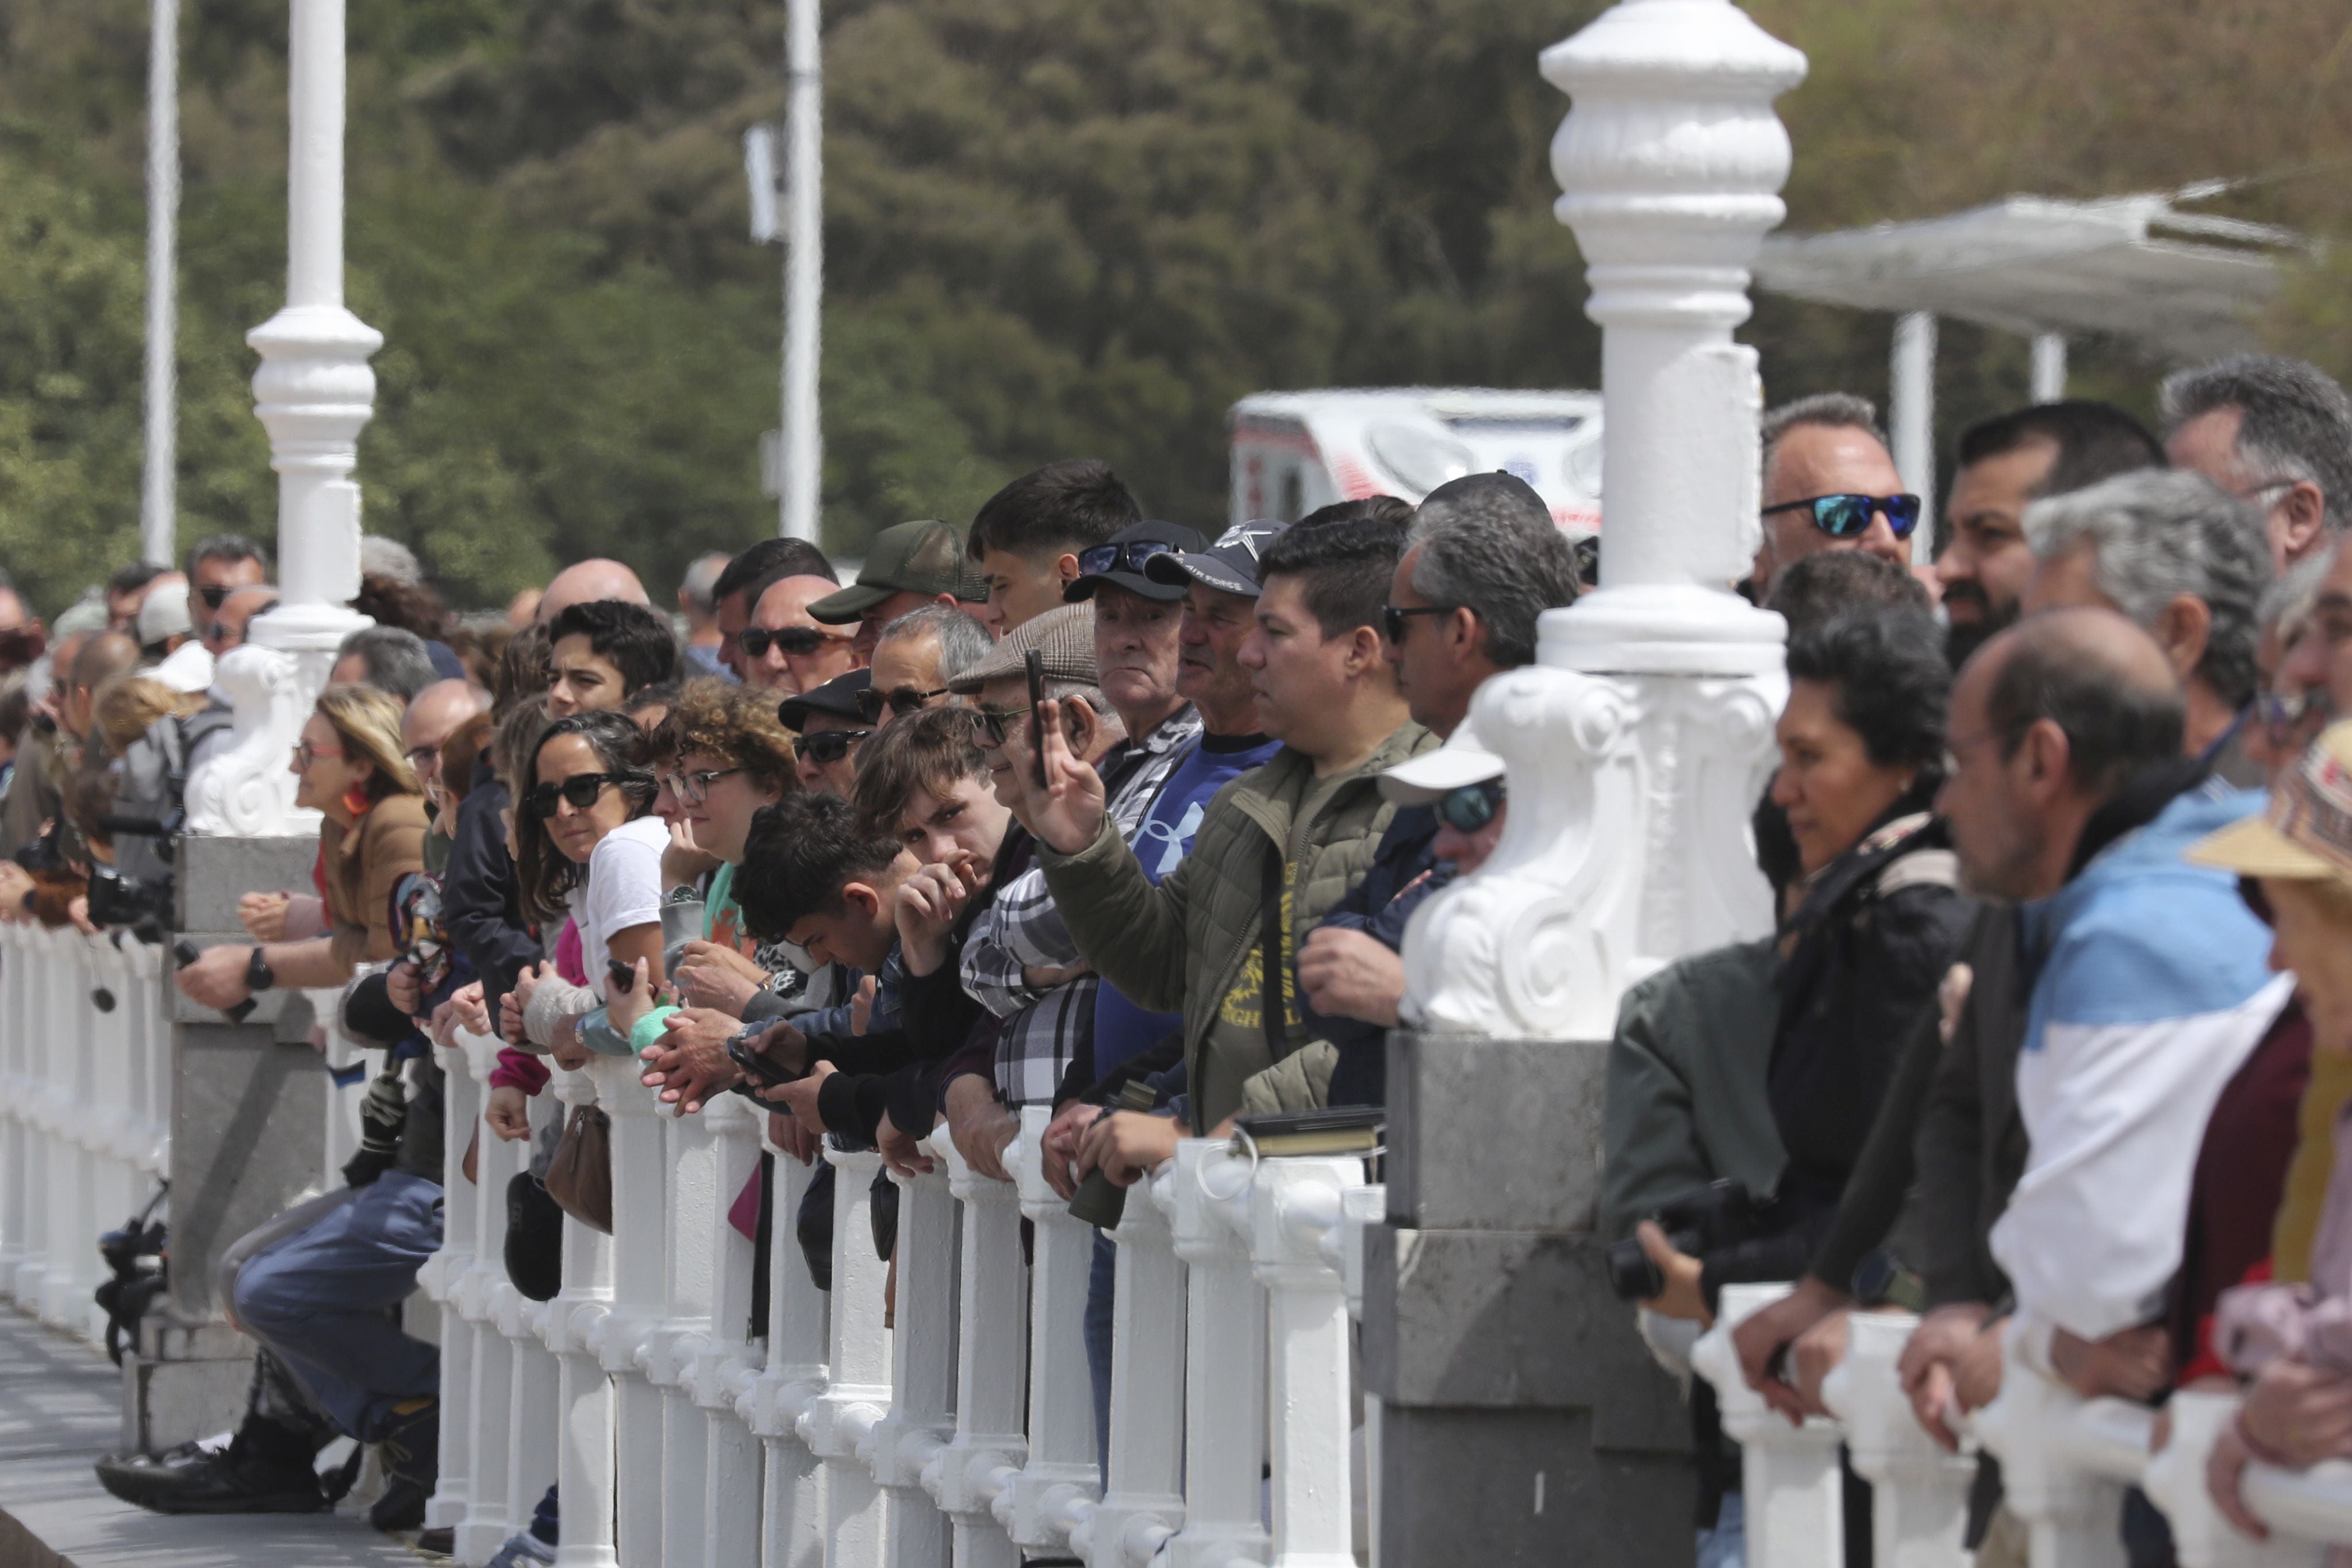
(623, 890)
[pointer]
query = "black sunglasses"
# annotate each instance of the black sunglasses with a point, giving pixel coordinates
(1394, 620)
(213, 595)
(828, 746)
(901, 700)
(580, 789)
(797, 641)
(1470, 807)
(999, 721)
(1848, 517)
(1128, 557)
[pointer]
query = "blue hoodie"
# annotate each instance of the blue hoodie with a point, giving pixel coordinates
(2152, 983)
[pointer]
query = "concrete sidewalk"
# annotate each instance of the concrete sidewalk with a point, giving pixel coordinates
(60, 1409)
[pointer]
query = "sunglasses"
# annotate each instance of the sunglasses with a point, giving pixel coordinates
(828, 746)
(1470, 807)
(901, 700)
(692, 789)
(213, 594)
(1394, 620)
(1128, 557)
(1848, 517)
(796, 642)
(580, 789)
(998, 722)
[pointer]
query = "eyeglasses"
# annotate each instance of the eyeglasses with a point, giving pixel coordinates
(213, 594)
(305, 753)
(1470, 807)
(1394, 620)
(1128, 557)
(1848, 515)
(580, 789)
(901, 700)
(828, 746)
(795, 642)
(693, 788)
(998, 722)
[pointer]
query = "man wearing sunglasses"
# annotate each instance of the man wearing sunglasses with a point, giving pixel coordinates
(829, 726)
(218, 567)
(1829, 484)
(914, 658)
(784, 650)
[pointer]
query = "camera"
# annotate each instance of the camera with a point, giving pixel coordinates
(135, 1276)
(1720, 1214)
(142, 903)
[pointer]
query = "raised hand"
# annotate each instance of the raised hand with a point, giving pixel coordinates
(1067, 812)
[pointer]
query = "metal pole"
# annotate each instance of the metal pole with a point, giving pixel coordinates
(1911, 419)
(158, 527)
(803, 449)
(2049, 366)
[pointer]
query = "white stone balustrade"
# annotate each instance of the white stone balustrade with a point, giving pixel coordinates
(85, 1110)
(2065, 1463)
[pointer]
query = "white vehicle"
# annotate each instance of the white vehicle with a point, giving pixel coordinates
(1295, 451)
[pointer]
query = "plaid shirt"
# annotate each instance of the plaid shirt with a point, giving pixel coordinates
(1022, 929)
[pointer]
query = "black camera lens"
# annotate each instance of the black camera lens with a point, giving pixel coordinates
(1631, 1275)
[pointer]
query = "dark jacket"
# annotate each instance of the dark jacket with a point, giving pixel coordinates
(1866, 952)
(1404, 871)
(478, 897)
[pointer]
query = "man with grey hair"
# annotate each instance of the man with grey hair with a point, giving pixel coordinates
(387, 658)
(1829, 483)
(698, 601)
(2274, 431)
(917, 656)
(1483, 560)
(2187, 563)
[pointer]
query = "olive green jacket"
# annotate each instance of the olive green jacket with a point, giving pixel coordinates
(1184, 945)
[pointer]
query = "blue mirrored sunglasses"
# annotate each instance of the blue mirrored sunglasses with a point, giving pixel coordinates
(1128, 557)
(1848, 517)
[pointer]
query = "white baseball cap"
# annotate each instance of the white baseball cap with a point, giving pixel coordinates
(1462, 761)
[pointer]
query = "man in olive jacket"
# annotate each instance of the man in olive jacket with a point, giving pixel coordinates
(1287, 839)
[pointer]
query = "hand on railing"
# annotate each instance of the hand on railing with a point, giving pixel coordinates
(1058, 1145)
(1930, 1367)
(902, 1151)
(1765, 1335)
(508, 1112)
(982, 1128)
(1127, 1145)
(2135, 1364)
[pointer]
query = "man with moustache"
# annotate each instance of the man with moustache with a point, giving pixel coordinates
(2006, 462)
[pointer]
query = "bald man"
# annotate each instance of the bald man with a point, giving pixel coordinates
(434, 715)
(785, 650)
(598, 578)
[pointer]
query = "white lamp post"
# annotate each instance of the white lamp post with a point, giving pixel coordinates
(804, 447)
(158, 541)
(314, 392)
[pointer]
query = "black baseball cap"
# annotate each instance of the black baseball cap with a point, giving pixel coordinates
(1230, 564)
(837, 697)
(1122, 558)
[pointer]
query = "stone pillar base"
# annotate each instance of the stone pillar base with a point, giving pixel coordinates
(1522, 1419)
(182, 1382)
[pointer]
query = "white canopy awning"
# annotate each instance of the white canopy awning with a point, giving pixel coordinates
(2183, 285)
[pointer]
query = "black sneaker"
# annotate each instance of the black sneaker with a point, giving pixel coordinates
(192, 1479)
(411, 1454)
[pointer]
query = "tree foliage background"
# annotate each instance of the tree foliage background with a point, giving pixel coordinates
(1053, 227)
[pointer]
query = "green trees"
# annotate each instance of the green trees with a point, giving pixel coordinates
(1054, 227)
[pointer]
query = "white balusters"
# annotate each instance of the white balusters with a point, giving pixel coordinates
(16, 1135)
(533, 1373)
(724, 1369)
(793, 1511)
(1057, 1486)
(638, 1293)
(1919, 1492)
(1790, 1475)
(1224, 1357)
(1143, 1498)
(690, 1189)
(838, 1421)
(491, 1511)
(922, 1371)
(583, 1390)
(991, 1306)
(438, 1279)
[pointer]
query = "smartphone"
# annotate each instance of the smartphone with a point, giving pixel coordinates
(620, 977)
(1036, 661)
(756, 1065)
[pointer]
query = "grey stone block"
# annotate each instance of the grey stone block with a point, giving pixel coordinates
(248, 1128)
(1504, 1488)
(168, 1403)
(1489, 1320)
(213, 873)
(1488, 1135)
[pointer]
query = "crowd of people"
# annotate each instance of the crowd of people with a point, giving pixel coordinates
(2023, 1053)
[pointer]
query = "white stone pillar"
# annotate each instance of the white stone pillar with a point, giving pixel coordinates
(1639, 742)
(1919, 1493)
(844, 1417)
(158, 524)
(1911, 420)
(2049, 366)
(314, 392)
(793, 1516)
(990, 1444)
(922, 1371)
(1225, 1366)
(1790, 1475)
(583, 1398)
(1060, 1481)
(728, 1365)
(804, 447)
(1143, 1496)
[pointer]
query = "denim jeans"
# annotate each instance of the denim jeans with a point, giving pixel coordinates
(323, 1298)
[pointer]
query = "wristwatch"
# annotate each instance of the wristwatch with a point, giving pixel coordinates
(258, 976)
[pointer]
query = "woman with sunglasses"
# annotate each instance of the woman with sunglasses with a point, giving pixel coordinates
(1876, 922)
(350, 768)
(586, 844)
